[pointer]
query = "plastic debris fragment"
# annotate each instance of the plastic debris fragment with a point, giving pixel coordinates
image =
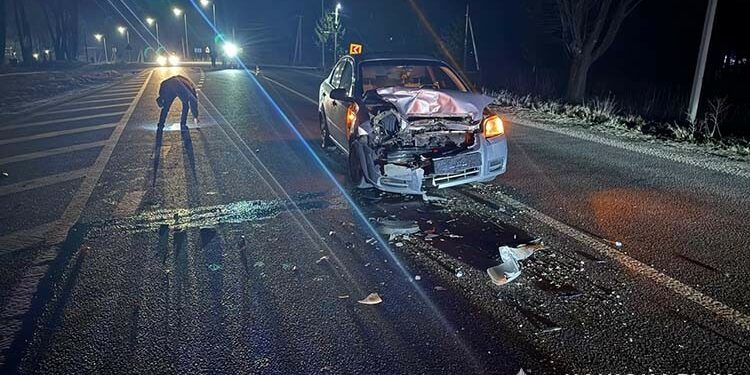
(510, 269)
(214, 267)
(459, 273)
(439, 288)
(371, 241)
(324, 257)
(5, 174)
(390, 227)
(259, 264)
(417, 277)
(345, 296)
(371, 299)
(331, 233)
(288, 267)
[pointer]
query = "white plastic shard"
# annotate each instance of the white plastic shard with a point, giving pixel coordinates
(510, 269)
(372, 299)
(392, 227)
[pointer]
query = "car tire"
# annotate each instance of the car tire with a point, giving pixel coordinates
(355, 168)
(325, 134)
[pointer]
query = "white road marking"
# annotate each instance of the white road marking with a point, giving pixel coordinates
(19, 298)
(128, 98)
(51, 152)
(718, 308)
(650, 150)
(42, 182)
(130, 91)
(116, 95)
(55, 134)
(23, 238)
(61, 120)
(79, 109)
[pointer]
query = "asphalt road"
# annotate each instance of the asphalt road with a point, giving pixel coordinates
(237, 246)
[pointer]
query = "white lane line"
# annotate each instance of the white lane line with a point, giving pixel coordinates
(650, 150)
(314, 102)
(128, 98)
(42, 182)
(718, 308)
(56, 134)
(79, 109)
(78, 203)
(51, 152)
(131, 91)
(22, 239)
(61, 120)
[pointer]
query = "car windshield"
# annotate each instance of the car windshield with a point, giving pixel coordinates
(410, 74)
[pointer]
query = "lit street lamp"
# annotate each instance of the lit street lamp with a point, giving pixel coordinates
(124, 31)
(336, 32)
(152, 22)
(101, 38)
(178, 12)
(205, 4)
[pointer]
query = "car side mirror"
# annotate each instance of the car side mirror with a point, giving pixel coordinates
(341, 94)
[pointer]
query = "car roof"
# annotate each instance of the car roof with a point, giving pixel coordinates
(394, 56)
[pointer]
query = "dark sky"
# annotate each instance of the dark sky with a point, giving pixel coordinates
(658, 43)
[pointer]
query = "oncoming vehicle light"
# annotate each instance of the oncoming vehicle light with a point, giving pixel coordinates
(161, 60)
(174, 60)
(231, 50)
(493, 126)
(351, 117)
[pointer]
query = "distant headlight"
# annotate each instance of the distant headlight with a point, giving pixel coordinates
(231, 50)
(493, 126)
(174, 60)
(161, 60)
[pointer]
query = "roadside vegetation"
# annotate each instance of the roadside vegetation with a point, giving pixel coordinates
(606, 112)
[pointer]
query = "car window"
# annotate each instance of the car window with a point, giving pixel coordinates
(410, 74)
(336, 76)
(346, 77)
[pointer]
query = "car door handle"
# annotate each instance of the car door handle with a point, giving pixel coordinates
(334, 103)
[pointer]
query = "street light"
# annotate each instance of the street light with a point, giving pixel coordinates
(336, 31)
(101, 38)
(205, 4)
(124, 31)
(178, 12)
(152, 22)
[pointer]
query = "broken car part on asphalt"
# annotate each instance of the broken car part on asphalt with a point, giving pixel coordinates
(510, 269)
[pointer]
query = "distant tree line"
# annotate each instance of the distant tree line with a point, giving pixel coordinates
(55, 21)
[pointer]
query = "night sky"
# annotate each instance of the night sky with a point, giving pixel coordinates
(657, 44)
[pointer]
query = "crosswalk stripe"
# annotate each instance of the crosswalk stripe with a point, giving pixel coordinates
(51, 152)
(42, 182)
(96, 101)
(87, 108)
(55, 134)
(61, 120)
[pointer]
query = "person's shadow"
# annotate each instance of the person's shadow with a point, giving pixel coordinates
(187, 143)
(157, 153)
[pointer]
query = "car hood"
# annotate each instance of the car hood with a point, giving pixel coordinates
(414, 102)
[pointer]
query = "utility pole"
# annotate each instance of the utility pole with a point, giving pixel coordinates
(474, 44)
(322, 45)
(466, 36)
(298, 43)
(336, 32)
(700, 69)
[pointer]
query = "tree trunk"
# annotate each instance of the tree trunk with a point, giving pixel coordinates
(2, 31)
(24, 32)
(579, 70)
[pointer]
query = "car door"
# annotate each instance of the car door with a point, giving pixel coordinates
(331, 106)
(345, 80)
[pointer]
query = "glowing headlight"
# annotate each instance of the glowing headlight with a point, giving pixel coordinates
(231, 50)
(493, 126)
(161, 60)
(174, 60)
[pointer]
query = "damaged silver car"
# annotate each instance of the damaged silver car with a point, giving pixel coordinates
(410, 124)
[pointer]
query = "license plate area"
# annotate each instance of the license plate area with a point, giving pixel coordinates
(458, 163)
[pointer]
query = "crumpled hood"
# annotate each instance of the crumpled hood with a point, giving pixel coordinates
(435, 103)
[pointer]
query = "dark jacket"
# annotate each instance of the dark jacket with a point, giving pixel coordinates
(177, 87)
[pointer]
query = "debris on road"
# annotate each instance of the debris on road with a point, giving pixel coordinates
(345, 296)
(5, 174)
(214, 267)
(259, 264)
(510, 268)
(371, 241)
(324, 257)
(392, 227)
(288, 267)
(439, 288)
(371, 299)
(459, 273)
(417, 277)
(331, 233)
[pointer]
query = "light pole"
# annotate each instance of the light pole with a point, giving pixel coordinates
(101, 38)
(178, 12)
(205, 3)
(124, 31)
(323, 44)
(336, 31)
(152, 22)
(700, 68)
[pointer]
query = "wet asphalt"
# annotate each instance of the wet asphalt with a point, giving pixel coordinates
(237, 246)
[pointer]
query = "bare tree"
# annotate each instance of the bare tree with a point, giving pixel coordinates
(61, 17)
(588, 29)
(23, 31)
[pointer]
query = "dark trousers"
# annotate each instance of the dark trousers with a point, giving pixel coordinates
(186, 106)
